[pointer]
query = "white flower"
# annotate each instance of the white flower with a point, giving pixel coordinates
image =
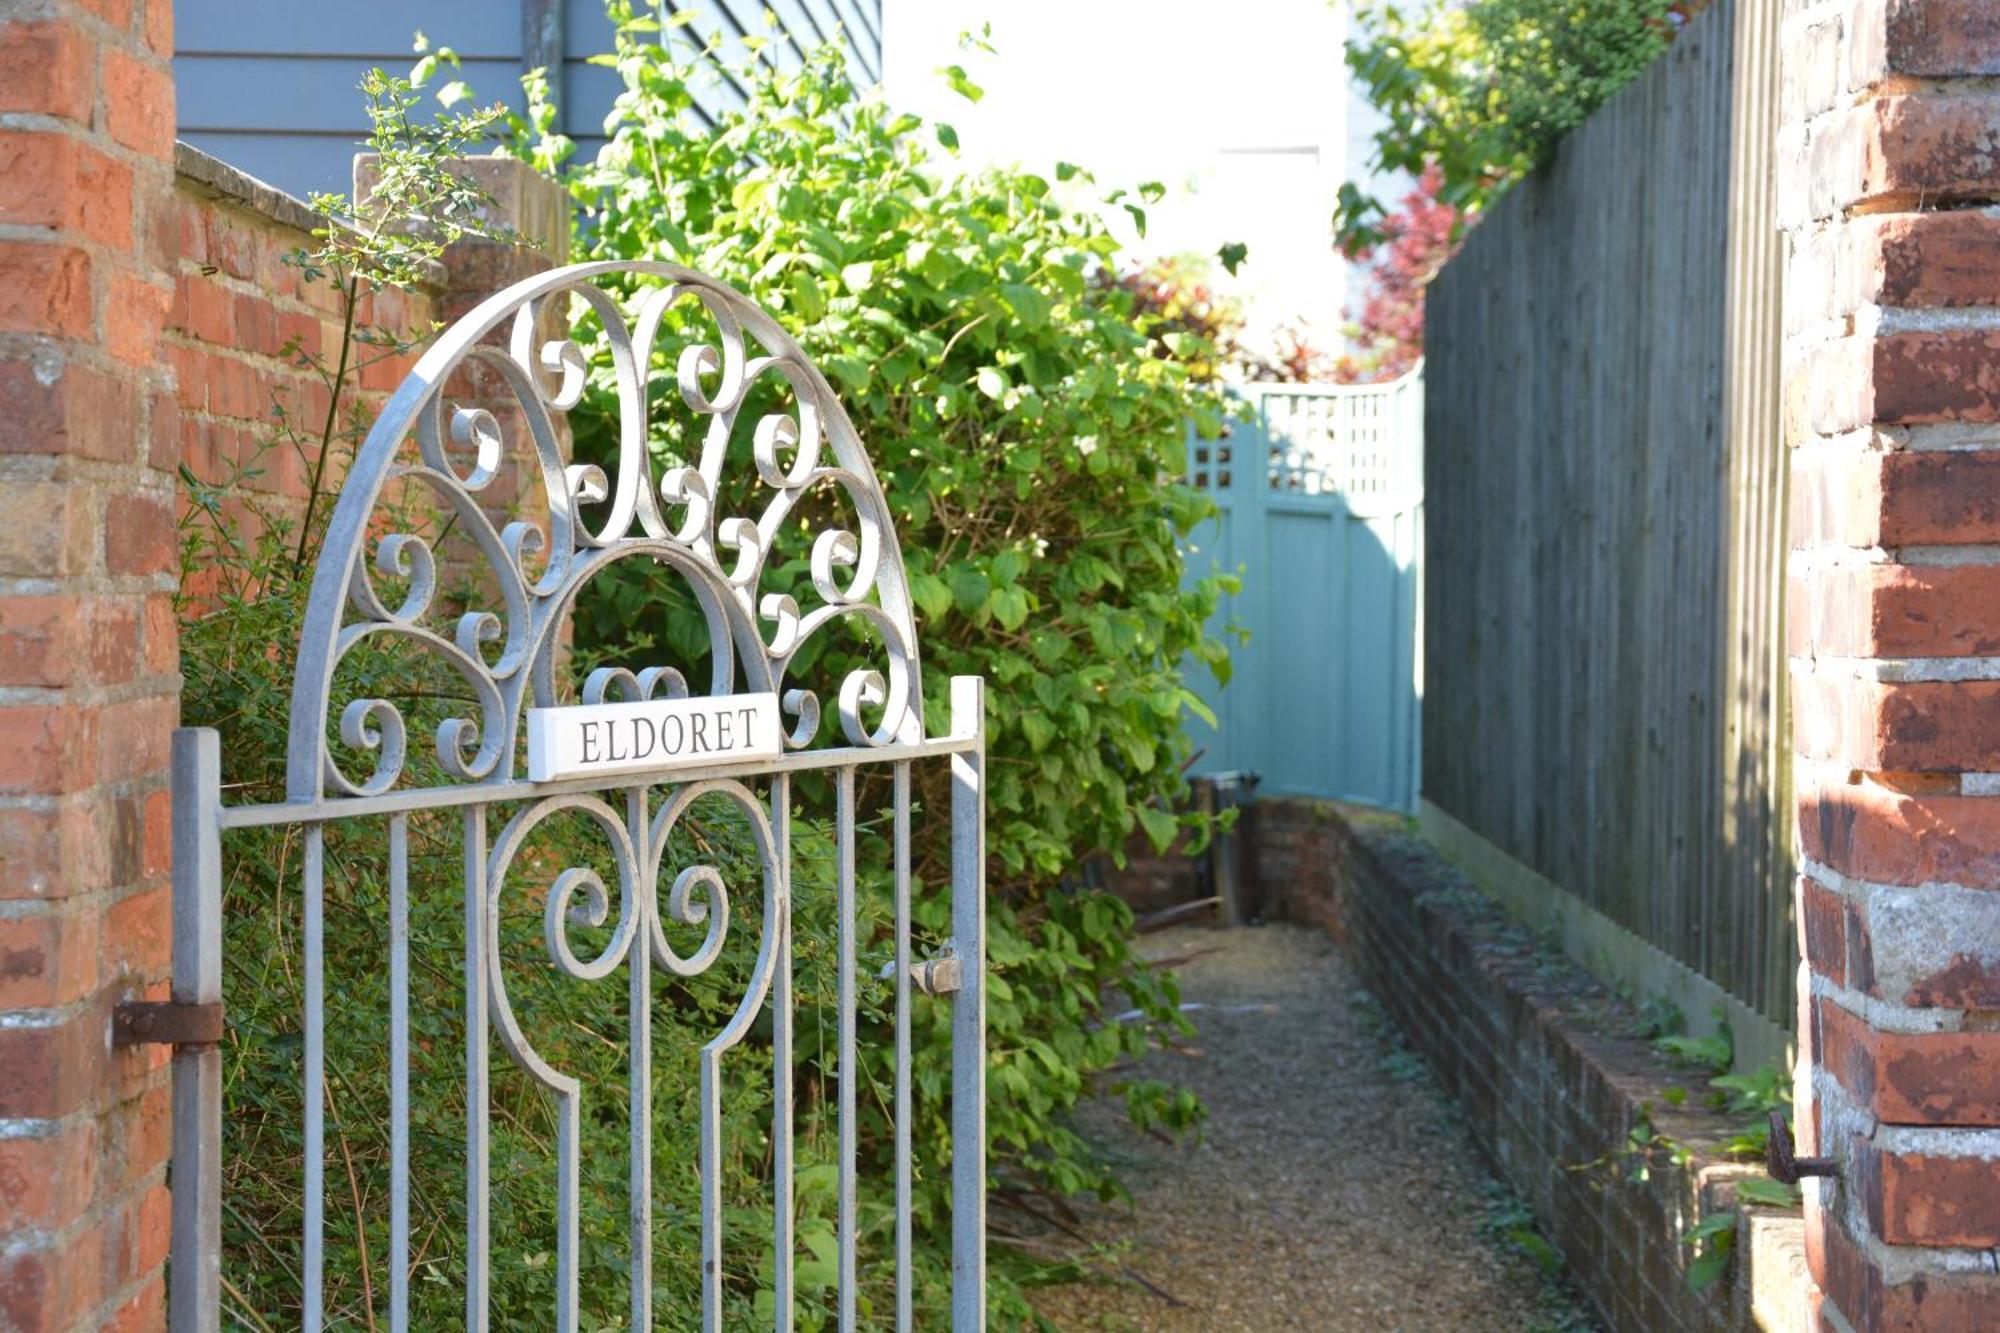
(1086, 445)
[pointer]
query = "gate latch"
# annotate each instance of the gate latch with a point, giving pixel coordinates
(935, 976)
(1781, 1159)
(166, 1023)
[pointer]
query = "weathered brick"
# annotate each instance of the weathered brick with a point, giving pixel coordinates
(140, 536)
(1939, 497)
(138, 934)
(1898, 727)
(50, 1069)
(53, 180)
(1930, 377)
(53, 405)
(139, 103)
(45, 289)
(1823, 930)
(159, 27)
(1948, 259)
(1891, 610)
(134, 313)
(1873, 832)
(1925, 1078)
(48, 69)
(46, 1181)
(1940, 38)
(1928, 1199)
(50, 750)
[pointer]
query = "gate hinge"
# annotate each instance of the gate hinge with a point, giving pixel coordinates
(166, 1023)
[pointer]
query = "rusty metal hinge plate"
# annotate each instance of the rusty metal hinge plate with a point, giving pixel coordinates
(166, 1023)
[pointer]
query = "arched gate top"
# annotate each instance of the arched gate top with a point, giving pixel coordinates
(535, 565)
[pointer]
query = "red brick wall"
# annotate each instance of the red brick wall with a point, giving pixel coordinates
(1891, 156)
(241, 329)
(87, 654)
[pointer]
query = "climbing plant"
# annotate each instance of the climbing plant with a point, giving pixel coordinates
(1481, 91)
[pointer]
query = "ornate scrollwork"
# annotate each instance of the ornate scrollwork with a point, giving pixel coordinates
(531, 571)
(579, 896)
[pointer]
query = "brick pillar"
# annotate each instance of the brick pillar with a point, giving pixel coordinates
(88, 660)
(1889, 161)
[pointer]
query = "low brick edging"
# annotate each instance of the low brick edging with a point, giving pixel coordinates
(1548, 1070)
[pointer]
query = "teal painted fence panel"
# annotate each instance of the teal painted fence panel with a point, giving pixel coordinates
(1320, 496)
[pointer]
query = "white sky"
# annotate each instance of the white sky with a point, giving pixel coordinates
(1240, 108)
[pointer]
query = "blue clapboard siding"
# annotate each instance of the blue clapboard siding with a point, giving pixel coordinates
(1320, 512)
(271, 89)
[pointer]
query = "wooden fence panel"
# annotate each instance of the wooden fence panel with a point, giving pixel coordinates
(1604, 668)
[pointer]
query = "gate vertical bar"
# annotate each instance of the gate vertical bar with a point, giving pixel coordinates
(968, 1015)
(901, 799)
(399, 1073)
(195, 1291)
(781, 1064)
(477, 1154)
(315, 1077)
(844, 897)
(639, 1106)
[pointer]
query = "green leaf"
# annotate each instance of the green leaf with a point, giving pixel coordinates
(806, 297)
(969, 589)
(956, 80)
(1029, 304)
(947, 136)
(749, 192)
(1232, 254)
(931, 594)
(858, 277)
(1010, 607)
(1160, 827)
(1770, 1193)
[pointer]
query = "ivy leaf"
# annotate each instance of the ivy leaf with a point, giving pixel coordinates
(1232, 254)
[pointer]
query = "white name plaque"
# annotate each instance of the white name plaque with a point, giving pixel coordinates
(587, 740)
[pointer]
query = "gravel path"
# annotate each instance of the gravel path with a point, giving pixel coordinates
(1329, 1191)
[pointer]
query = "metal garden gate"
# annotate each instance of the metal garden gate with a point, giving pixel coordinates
(505, 643)
(1320, 495)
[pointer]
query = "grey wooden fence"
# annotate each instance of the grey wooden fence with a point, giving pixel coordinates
(1604, 667)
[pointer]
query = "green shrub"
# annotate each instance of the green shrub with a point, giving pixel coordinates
(1029, 444)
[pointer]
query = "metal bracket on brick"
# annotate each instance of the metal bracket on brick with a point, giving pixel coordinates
(1783, 1162)
(164, 1023)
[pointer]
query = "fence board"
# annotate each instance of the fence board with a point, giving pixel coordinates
(1604, 670)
